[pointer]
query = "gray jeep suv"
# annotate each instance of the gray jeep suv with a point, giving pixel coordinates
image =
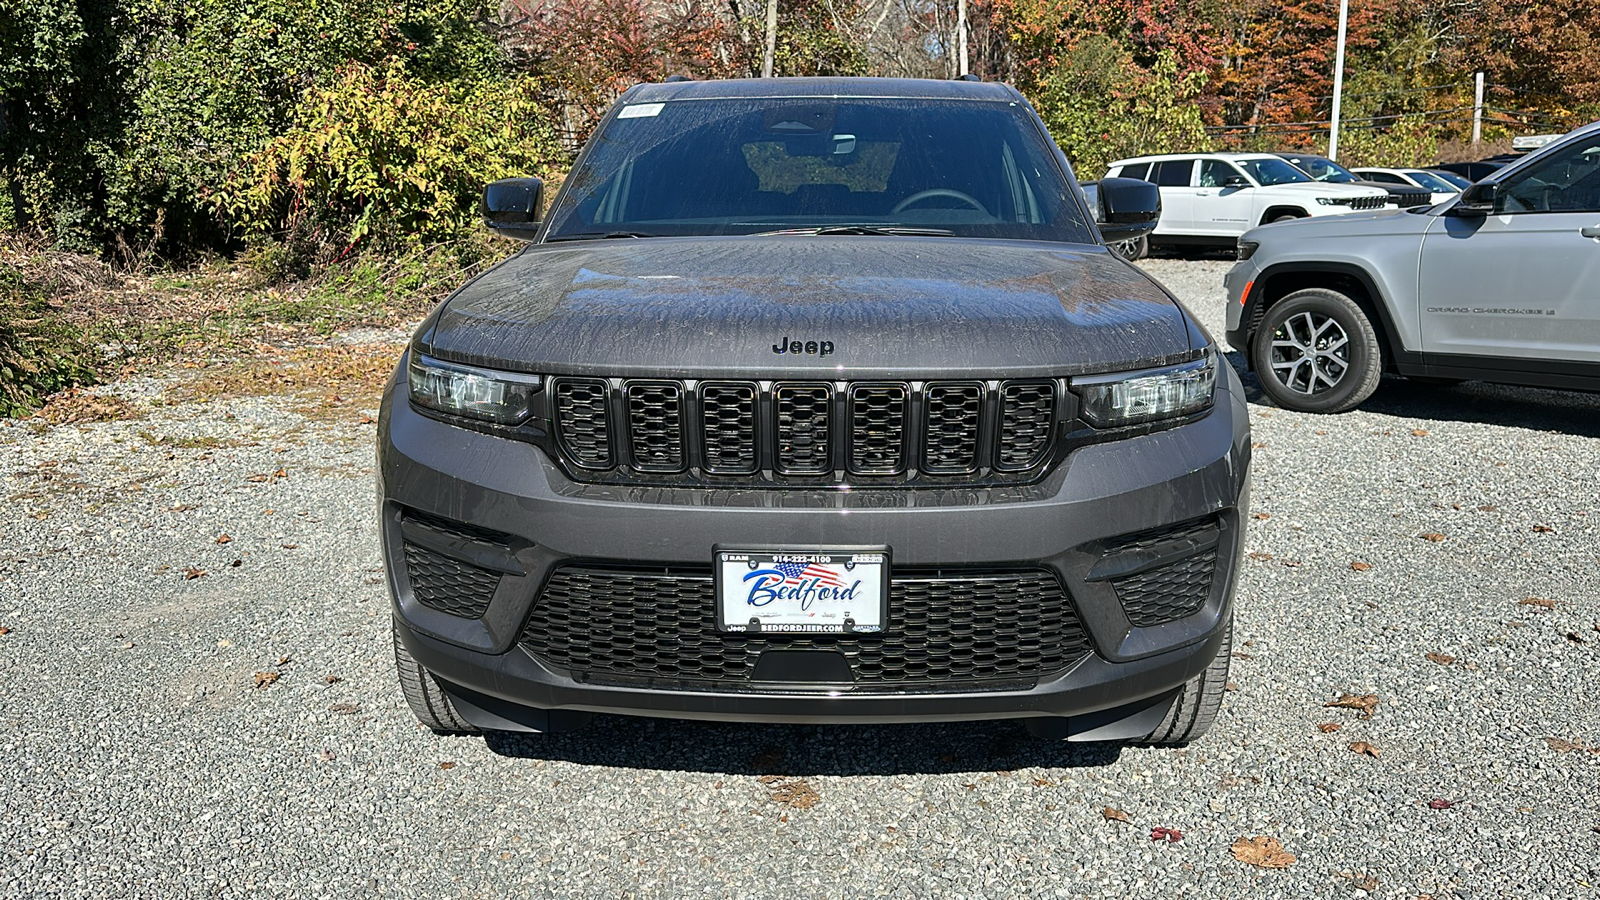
(1500, 284)
(814, 400)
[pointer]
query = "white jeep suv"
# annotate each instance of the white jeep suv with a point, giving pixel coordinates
(1209, 199)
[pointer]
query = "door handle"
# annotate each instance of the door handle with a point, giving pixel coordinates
(1590, 231)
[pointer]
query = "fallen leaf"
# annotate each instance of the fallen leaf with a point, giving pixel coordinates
(1419, 432)
(257, 479)
(1365, 882)
(1366, 703)
(1170, 835)
(1576, 638)
(190, 573)
(281, 473)
(236, 564)
(367, 420)
(289, 546)
(1440, 804)
(1237, 655)
(1043, 782)
(332, 679)
(1364, 748)
(1562, 745)
(1443, 659)
(224, 539)
(1542, 529)
(1329, 727)
(1361, 566)
(4, 630)
(1261, 515)
(1231, 687)
(1487, 508)
(795, 794)
(1259, 556)
(1112, 814)
(447, 764)
(1262, 852)
(1432, 536)
(265, 678)
(345, 709)
(282, 661)
(326, 756)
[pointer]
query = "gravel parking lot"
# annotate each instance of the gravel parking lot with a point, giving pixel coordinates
(197, 694)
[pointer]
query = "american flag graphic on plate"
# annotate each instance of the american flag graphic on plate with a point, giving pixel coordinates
(834, 592)
(796, 573)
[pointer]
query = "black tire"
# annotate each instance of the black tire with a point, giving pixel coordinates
(1138, 248)
(1286, 217)
(1316, 351)
(427, 700)
(1195, 710)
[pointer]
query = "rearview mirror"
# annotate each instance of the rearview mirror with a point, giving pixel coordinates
(1477, 200)
(1125, 208)
(511, 206)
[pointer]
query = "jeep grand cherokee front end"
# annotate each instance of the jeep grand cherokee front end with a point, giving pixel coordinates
(814, 400)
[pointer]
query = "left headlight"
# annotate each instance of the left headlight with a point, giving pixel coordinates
(502, 397)
(1128, 398)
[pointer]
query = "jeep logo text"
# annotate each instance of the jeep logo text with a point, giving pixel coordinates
(815, 348)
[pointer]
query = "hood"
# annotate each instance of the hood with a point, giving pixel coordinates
(1383, 222)
(857, 306)
(1329, 189)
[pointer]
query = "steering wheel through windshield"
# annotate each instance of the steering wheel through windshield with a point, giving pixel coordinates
(919, 196)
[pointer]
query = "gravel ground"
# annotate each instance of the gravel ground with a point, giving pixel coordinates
(143, 759)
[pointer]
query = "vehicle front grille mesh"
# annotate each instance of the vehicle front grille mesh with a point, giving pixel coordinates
(801, 433)
(1369, 202)
(1175, 590)
(944, 631)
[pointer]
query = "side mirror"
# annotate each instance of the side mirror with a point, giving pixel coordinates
(511, 206)
(1478, 200)
(1236, 181)
(1126, 208)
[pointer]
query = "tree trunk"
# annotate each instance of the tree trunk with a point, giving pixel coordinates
(772, 39)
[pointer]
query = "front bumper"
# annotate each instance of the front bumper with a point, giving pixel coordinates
(1196, 470)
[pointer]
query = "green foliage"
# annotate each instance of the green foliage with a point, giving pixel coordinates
(377, 156)
(1101, 106)
(40, 352)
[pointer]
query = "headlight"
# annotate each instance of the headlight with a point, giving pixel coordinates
(1333, 201)
(503, 397)
(1128, 398)
(1247, 249)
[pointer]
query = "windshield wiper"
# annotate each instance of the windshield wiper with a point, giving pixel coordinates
(602, 235)
(899, 230)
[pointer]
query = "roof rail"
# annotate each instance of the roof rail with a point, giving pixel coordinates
(674, 79)
(967, 77)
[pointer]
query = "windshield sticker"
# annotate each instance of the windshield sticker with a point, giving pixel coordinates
(640, 110)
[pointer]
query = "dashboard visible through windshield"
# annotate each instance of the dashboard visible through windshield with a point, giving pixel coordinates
(834, 165)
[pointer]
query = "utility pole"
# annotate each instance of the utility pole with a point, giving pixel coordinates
(772, 39)
(1338, 81)
(1477, 109)
(961, 33)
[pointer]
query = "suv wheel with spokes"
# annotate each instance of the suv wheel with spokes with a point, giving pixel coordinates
(1316, 351)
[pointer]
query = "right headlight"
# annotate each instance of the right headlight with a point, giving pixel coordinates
(1129, 398)
(494, 396)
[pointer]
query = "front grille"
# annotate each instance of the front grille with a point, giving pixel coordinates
(1168, 592)
(449, 585)
(807, 433)
(1369, 202)
(944, 631)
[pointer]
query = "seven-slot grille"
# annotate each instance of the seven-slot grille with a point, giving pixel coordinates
(806, 432)
(1369, 202)
(946, 630)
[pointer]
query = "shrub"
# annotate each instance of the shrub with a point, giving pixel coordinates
(1101, 106)
(378, 156)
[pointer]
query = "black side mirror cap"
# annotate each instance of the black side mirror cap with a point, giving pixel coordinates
(1124, 208)
(1480, 199)
(511, 207)
(1236, 181)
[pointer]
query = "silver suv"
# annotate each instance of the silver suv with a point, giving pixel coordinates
(1502, 284)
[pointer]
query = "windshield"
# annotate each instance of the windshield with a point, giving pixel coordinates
(1271, 170)
(1324, 169)
(1431, 181)
(749, 166)
(1457, 180)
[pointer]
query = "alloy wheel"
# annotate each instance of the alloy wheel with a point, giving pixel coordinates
(1310, 353)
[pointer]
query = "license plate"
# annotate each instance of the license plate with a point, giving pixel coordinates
(802, 591)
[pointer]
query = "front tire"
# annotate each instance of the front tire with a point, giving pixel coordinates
(1316, 351)
(428, 701)
(1132, 250)
(1196, 707)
